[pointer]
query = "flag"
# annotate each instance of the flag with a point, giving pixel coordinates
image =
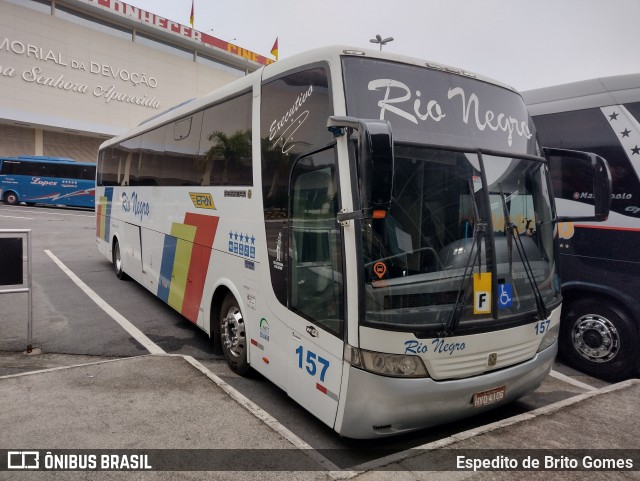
(191, 17)
(274, 49)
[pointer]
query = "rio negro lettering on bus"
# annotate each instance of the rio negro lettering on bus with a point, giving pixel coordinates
(139, 208)
(399, 99)
(438, 346)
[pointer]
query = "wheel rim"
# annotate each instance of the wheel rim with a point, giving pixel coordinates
(118, 260)
(12, 199)
(595, 338)
(233, 335)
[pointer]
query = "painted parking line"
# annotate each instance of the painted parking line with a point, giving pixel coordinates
(16, 217)
(133, 331)
(264, 416)
(570, 380)
(36, 210)
(153, 348)
(62, 368)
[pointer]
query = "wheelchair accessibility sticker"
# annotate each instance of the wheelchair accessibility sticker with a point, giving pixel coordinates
(505, 295)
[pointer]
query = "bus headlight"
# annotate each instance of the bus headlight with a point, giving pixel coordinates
(392, 365)
(549, 338)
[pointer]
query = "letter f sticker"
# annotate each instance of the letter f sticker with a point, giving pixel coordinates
(482, 293)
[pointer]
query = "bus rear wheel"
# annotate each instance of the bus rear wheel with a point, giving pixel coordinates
(233, 336)
(599, 339)
(117, 262)
(11, 198)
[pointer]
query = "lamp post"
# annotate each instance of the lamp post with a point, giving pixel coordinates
(381, 41)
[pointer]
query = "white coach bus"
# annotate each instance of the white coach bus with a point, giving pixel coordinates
(374, 234)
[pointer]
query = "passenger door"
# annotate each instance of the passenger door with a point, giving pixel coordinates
(315, 286)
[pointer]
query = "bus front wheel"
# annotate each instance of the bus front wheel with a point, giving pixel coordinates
(598, 338)
(233, 336)
(11, 198)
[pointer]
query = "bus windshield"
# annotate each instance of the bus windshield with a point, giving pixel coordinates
(468, 239)
(444, 225)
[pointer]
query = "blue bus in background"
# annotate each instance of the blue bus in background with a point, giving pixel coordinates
(47, 180)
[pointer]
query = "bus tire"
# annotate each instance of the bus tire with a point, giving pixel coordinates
(233, 336)
(11, 198)
(117, 261)
(599, 338)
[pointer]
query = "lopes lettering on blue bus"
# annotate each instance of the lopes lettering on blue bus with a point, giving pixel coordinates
(138, 208)
(38, 181)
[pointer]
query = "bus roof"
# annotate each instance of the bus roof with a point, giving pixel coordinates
(45, 159)
(593, 93)
(330, 55)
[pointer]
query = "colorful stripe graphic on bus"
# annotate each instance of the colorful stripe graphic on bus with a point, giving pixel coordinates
(103, 213)
(185, 261)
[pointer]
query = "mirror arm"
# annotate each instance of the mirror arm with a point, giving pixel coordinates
(344, 217)
(337, 124)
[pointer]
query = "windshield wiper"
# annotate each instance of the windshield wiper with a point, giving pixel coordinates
(511, 230)
(478, 235)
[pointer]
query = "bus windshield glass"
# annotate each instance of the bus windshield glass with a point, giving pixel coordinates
(444, 226)
(468, 239)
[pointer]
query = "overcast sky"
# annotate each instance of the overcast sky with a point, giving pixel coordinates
(524, 43)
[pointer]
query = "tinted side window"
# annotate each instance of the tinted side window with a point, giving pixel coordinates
(108, 167)
(63, 171)
(112, 162)
(151, 168)
(74, 171)
(182, 140)
(293, 121)
(9, 167)
(225, 143)
(88, 172)
(34, 169)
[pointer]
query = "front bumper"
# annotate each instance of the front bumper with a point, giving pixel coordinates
(378, 406)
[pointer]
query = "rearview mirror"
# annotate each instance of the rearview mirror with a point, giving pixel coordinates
(375, 164)
(581, 185)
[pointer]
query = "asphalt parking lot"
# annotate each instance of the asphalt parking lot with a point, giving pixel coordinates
(80, 316)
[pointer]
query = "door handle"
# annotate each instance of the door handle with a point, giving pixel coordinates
(295, 336)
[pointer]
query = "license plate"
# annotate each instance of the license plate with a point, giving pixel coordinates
(491, 396)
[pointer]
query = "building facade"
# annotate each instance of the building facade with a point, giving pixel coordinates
(76, 72)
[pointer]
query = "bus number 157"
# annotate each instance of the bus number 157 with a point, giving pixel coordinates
(311, 359)
(542, 326)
